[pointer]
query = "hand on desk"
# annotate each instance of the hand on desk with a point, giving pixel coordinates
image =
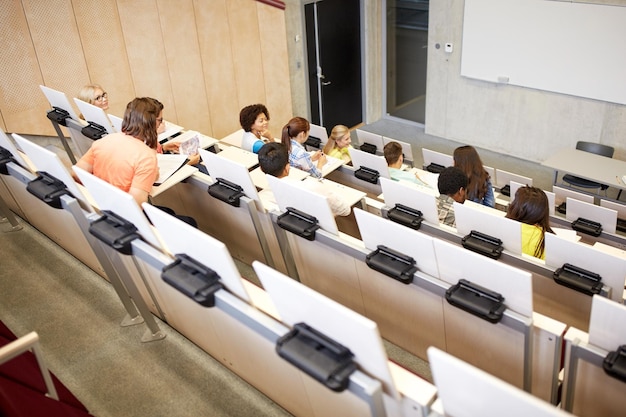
(171, 146)
(193, 159)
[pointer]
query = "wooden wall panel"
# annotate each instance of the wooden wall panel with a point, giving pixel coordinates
(204, 59)
(275, 65)
(217, 64)
(246, 46)
(143, 38)
(57, 43)
(22, 103)
(102, 41)
(184, 63)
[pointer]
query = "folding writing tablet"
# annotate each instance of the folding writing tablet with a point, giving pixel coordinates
(620, 208)
(116, 122)
(455, 263)
(606, 325)
(490, 222)
(376, 230)
(368, 160)
(290, 194)
(59, 99)
(610, 267)
(233, 171)
(503, 178)
(181, 238)
(561, 195)
(297, 303)
(6, 143)
(421, 199)
(371, 138)
(319, 132)
(109, 197)
(579, 209)
(94, 114)
(48, 161)
(466, 391)
(434, 157)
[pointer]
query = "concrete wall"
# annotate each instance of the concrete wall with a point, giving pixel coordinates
(523, 122)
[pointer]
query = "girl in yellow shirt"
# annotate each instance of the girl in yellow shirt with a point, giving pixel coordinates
(530, 207)
(338, 144)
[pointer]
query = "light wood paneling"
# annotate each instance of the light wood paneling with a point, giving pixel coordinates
(184, 63)
(57, 43)
(246, 47)
(275, 66)
(145, 46)
(203, 59)
(102, 41)
(217, 65)
(22, 103)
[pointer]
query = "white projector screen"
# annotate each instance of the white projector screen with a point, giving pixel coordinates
(570, 48)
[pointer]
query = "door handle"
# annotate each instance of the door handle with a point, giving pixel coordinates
(326, 82)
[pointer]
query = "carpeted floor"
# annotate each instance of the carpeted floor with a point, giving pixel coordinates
(77, 314)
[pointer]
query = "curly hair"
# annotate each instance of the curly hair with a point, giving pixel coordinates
(248, 115)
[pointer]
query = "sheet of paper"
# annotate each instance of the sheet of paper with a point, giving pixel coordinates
(168, 165)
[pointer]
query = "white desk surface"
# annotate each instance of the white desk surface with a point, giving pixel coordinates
(587, 165)
(170, 129)
(184, 172)
(239, 155)
(347, 194)
(260, 180)
(331, 165)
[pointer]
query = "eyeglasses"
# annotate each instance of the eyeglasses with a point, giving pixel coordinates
(101, 97)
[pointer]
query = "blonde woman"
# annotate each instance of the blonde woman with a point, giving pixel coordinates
(94, 94)
(338, 144)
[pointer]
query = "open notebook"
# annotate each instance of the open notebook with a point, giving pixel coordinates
(168, 165)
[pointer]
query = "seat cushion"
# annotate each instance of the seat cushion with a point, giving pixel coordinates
(583, 183)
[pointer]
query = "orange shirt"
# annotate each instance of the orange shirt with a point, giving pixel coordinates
(123, 161)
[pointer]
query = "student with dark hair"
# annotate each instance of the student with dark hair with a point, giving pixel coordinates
(531, 207)
(295, 133)
(254, 120)
(479, 188)
(394, 157)
(452, 184)
(274, 160)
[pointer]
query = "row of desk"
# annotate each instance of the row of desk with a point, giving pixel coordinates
(176, 192)
(209, 329)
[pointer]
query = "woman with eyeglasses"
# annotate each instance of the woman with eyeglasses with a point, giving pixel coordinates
(94, 94)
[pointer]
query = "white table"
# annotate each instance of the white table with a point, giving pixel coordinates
(587, 165)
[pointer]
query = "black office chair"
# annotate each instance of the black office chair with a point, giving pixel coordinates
(590, 147)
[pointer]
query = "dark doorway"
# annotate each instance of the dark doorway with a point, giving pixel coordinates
(333, 35)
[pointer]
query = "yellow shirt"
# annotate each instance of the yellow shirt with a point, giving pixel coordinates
(341, 153)
(531, 238)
